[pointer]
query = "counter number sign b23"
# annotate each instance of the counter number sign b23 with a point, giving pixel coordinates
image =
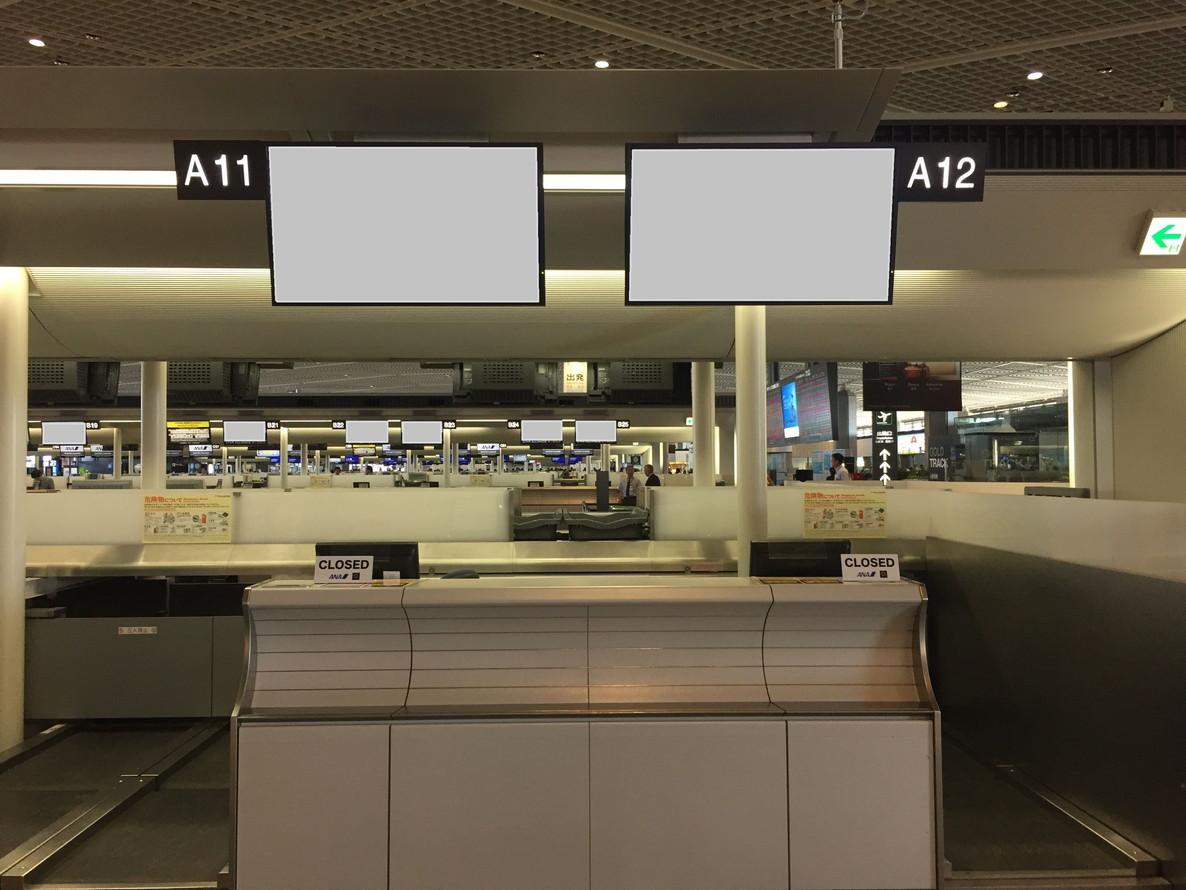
(939, 171)
(221, 171)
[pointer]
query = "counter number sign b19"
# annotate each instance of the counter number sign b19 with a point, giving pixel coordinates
(221, 171)
(939, 171)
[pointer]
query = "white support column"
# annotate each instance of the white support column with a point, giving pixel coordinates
(447, 463)
(154, 388)
(317, 461)
(14, 439)
(704, 421)
(117, 454)
(1081, 423)
(222, 458)
(304, 458)
(728, 451)
(1105, 454)
(750, 324)
(284, 458)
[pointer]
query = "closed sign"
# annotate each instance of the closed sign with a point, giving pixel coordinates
(870, 567)
(344, 570)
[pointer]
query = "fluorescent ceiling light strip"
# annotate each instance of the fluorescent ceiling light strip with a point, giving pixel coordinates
(89, 178)
(553, 182)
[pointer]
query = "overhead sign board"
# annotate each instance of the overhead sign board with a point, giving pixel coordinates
(885, 446)
(870, 567)
(1164, 235)
(221, 171)
(575, 381)
(940, 171)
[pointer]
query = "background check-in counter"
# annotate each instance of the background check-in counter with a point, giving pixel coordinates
(603, 732)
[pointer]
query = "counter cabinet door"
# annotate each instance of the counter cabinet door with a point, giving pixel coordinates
(312, 806)
(689, 805)
(490, 805)
(862, 804)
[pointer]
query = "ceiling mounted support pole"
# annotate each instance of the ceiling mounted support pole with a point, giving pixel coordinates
(750, 324)
(154, 388)
(838, 29)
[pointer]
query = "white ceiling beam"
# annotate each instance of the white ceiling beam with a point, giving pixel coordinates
(629, 32)
(1075, 38)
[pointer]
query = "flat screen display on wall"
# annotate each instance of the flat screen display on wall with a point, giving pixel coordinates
(367, 432)
(244, 432)
(63, 432)
(595, 432)
(433, 225)
(422, 432)
(536, 432)
(913, 386)
(761, 224)
(802, 409)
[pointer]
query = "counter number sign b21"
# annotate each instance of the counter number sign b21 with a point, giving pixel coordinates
(221, 171)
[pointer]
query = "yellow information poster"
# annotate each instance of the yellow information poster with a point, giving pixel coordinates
(187, 518)
(844, 514)
(321, 481)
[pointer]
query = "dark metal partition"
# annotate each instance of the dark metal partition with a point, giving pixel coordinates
(1074, 675)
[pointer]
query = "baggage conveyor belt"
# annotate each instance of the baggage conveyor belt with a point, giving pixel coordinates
(129, 804)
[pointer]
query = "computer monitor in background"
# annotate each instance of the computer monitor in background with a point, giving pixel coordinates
(797, 559)
(804, 475)
(392, 560)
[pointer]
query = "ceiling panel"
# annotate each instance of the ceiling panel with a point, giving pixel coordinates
(936, 41)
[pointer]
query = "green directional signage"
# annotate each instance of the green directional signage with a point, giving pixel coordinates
(1164, 235)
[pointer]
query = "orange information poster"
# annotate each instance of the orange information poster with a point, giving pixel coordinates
(844, 514)
(187, 518)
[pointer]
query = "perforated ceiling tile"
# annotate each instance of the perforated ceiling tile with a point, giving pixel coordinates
(929, 36)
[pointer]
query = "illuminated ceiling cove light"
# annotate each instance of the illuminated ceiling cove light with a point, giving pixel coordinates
(89, 178)
(553, 182)
(601, 63)
(1001, 104)
(1035, 75)
(37, 42)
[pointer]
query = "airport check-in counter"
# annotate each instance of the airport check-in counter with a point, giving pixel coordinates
(603, 732)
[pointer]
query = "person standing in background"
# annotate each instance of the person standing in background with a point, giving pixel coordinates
(629, 488)
(41, 482)
(651, 476)
(839, 470)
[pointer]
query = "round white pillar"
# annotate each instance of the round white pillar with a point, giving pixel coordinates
(284, 458)
(117, 454)
(704, 421)
(14, 440)
(154, 387)
(750, 324)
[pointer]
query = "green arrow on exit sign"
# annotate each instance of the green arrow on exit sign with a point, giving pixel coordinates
(1166, 234)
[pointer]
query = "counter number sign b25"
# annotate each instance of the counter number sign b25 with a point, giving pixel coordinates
(221, 171)
(939, 171)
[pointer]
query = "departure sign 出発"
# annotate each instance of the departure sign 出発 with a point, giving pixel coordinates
(939, 171)
(221, 171)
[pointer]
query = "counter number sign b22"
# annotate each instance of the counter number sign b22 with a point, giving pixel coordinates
(939, 171)
(221, 171)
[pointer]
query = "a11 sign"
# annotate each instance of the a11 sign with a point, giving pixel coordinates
(1164, 236)
(221, 171)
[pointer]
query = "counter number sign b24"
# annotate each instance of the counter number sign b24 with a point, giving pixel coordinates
(221, 171)
(939, 171)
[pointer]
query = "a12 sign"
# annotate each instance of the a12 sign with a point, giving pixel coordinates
(221, 171)
(940, 171)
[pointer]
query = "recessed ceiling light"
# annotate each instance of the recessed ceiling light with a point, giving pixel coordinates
(1107, 69)
(37, 42)
(61, 62)
(538, 54)
(601, 63)
(1035, 75)
(1013, 94)
(1001, 104)
(89, 36)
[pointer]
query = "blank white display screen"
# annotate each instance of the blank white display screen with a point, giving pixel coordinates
(244, 432)
(531, 431)
(63, 432)
(422, 432)
(383, 225)
(763, 225)
(596, 431)
(367, 432)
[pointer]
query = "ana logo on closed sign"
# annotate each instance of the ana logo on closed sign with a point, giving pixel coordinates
(344, 569)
